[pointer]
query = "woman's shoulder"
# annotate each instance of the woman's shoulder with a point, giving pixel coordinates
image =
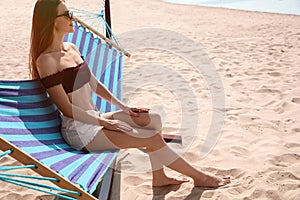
(72, 46)
(47, 64)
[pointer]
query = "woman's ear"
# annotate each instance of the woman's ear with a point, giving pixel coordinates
(55, 25)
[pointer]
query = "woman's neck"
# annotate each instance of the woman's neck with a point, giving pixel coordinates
(57, 44)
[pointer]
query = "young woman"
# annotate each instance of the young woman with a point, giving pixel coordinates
(65, 75)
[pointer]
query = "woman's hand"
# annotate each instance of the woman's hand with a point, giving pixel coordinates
(135, 111)
(116, 125)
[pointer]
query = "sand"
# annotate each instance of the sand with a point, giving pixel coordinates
(227, 75)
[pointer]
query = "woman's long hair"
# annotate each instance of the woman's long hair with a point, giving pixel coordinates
(44, 15)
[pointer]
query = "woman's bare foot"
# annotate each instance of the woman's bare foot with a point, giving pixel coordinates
(165, 181)
(211, 181)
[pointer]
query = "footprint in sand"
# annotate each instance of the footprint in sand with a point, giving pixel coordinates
(285, 160)
(275, 74)
(296, 100)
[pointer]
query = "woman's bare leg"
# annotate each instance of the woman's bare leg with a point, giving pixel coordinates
(152, 120)
(148, 124)
(101, 142)
(159, 178)
(160, 154)
(172, 160)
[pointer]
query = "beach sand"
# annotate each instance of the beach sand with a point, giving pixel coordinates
(252, 101)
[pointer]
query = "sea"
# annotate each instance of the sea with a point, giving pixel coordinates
(272, 6)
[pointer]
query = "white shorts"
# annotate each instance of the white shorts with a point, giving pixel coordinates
(78, 134)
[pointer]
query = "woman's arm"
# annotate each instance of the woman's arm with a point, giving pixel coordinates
(100, 89)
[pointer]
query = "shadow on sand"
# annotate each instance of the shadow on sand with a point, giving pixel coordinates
(159, 193)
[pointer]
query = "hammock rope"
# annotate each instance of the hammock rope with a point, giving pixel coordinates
(35, 188)
(6, 177)
(90, 20)
(6, 168)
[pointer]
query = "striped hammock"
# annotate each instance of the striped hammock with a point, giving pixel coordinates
(30, 120)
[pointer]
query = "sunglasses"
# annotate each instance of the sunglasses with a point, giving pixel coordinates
(68, 14)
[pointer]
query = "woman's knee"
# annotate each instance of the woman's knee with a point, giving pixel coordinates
(155, 142)
(156, 138)
(151, 120)
(156, 121)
